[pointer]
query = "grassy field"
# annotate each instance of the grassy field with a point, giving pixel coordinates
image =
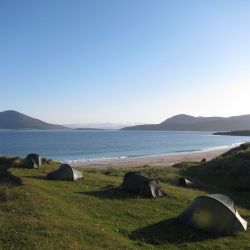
(94, 213)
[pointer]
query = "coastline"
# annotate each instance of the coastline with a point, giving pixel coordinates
(157, 161)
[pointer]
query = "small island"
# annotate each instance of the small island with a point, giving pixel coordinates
(235, 133)
(89, 129)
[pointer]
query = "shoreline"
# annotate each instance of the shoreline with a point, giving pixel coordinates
(157, 161)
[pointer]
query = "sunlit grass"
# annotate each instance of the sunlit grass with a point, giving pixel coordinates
(95, 213)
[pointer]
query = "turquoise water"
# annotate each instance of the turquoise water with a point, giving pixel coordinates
(97, 145)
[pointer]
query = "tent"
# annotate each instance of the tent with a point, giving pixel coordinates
(182, 182)
(214, 213)
(65, 173)
(136, 183)
(32, 161)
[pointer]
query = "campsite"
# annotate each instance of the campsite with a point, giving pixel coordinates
(125, 125)
(94, 213)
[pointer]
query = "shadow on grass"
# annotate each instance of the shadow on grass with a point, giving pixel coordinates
(51, 180)
(6, 178)
(169, 231)
(37, 177)
(111, 193)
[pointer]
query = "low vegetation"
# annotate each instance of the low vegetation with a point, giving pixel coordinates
(94, 213)
(230, 171)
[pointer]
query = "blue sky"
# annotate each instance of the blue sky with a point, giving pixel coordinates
(124, 61)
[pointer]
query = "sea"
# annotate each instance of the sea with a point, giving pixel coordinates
(95, 145)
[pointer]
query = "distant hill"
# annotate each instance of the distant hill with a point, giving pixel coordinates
(191, 123)
(103, 125)
(235, 133)
(14, 120)
(89, 129)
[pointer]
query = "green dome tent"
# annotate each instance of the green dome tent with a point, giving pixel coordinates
(214, 213)
(65, 173)
(136, 183)
(32, 161)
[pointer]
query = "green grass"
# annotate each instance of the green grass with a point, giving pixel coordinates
(94, 213)
(230, 171)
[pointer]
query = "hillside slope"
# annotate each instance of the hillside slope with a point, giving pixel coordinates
(191, 123)
(231, 170)
(14, 120)
(95, 214)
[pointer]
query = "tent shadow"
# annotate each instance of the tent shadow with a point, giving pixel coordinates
(47, 179)
(37, 177)
(169, 231)
(112, 194)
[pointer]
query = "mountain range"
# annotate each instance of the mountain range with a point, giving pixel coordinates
(11, 119)
(103, 125)
(15, 120)
(190, 123)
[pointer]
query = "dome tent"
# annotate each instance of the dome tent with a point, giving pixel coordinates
(32, 161)
(136, 183)
(214, 213)
(65, 173)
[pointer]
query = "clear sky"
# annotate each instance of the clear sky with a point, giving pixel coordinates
(124, 60)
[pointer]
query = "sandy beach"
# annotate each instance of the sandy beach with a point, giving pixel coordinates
(167, 160)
